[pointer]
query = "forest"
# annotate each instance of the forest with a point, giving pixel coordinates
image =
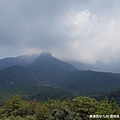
(78, 108)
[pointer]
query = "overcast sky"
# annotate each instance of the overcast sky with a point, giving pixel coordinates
(87, 31)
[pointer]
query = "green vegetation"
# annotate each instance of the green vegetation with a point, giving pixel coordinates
(79, 108)
(49, 71)
(40, 93)
(114, 94)
(89, 83)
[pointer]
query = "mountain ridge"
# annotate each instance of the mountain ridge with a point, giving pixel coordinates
(50, 71)
(42, 70)
(23, 60)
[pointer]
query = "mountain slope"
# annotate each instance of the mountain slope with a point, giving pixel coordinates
(23, 60)
(89, 82)
(41, 71)
(15, 76)
(49, 71)
(48, 67)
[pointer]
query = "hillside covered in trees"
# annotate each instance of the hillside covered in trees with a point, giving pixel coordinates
(79, 108)
(46, 70)
(50, 90)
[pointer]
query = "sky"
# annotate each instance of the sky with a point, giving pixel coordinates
(86, 31)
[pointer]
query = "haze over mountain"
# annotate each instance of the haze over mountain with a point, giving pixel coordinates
(104, 67)
(22, 60)
(47, 70)
(81, 30)
(25, 60)
(41, 70)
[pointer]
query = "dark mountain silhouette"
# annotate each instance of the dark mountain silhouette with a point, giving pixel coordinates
(15, 76)
(41, 71)
(49, 67)
(89, 82)
(47, 70)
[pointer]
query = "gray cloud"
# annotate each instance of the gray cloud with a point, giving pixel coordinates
(81, 30)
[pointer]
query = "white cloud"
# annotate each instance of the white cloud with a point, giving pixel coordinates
(86, 31)
(93, 38)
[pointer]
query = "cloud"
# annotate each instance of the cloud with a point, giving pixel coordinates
(93, 38)
(85, 31)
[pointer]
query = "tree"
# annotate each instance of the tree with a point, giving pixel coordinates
(12, 106)
(42, 112)
(84, 106)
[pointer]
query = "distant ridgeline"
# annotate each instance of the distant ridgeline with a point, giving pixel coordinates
(16, 74)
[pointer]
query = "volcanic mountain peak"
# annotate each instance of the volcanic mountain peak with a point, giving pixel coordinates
(46, 54)
(50, 66)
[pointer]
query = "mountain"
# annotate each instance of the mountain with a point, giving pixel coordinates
(41, 71)
(49, 67)
(89, 82)
(33, 80)
(15, 76)
(23, 60)
(47, 70)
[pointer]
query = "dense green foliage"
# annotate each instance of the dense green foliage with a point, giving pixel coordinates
(40, 93)
(79, 108)
(114, 94)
